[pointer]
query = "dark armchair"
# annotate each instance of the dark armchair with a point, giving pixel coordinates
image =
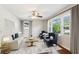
(54, 39)
(41, 35)
(51, 39)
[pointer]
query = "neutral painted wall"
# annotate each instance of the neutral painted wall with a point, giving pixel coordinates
(38, 26)
(45, 22)
(6, 15)
(64, 40)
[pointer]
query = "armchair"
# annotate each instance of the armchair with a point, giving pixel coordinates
(51, 39)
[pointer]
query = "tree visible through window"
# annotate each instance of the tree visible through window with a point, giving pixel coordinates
(61, 23)
(66, 20)
(56, 25)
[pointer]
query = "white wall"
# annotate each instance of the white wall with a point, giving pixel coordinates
(64, 40)
(45, 22)
(6, 15)
(38, 26)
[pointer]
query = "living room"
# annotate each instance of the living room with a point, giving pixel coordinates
(19, 23)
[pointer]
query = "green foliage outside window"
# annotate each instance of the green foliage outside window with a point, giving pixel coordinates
(56, 26)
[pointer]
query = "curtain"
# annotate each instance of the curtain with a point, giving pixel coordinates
(75, 29)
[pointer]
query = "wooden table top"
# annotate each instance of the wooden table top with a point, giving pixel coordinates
(31, 39)
(28, 41)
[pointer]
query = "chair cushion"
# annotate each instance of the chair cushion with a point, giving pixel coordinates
(51, 37)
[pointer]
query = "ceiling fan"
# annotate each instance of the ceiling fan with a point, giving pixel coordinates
(36, 14)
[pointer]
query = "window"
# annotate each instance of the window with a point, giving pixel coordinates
(56, 25)
(61, 23)
(66, 20)
(49, 25)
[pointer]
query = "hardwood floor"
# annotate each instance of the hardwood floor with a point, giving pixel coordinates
(63, 50)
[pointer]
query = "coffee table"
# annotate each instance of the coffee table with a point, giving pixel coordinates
(31, 41)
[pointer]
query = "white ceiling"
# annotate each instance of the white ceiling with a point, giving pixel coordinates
(23, 11)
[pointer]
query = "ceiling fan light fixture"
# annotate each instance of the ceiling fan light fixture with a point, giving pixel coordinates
(33, 17)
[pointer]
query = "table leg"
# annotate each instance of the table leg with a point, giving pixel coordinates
(31, 43)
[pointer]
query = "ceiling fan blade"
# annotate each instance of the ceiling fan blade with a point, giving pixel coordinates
(40, 16)
(35, 14)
